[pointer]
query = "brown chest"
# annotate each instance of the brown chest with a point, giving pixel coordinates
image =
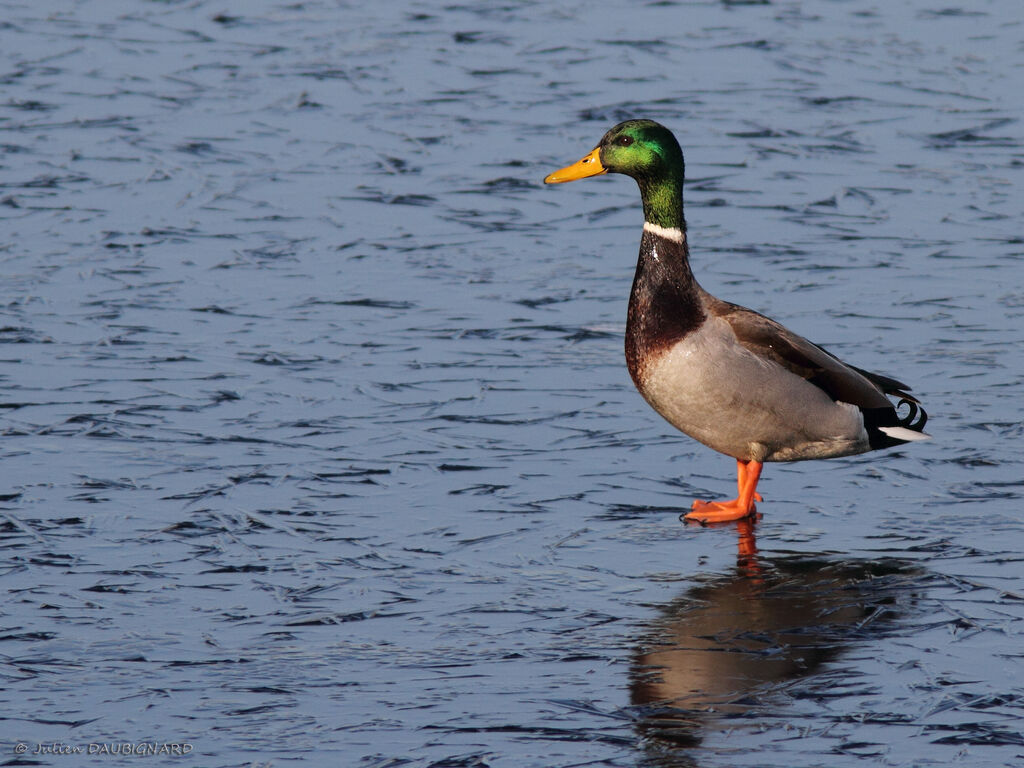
(661, 313)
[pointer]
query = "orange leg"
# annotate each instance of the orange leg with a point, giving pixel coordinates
(747, 475)
(742, 470)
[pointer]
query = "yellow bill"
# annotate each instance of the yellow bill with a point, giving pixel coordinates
(581, 169)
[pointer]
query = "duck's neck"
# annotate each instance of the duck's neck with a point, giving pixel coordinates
(665, 304)
(663, 272)
(663, 201)
(664, 254)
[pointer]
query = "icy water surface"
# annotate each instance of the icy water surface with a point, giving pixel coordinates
(318, 443)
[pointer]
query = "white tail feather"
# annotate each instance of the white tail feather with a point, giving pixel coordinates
(902, 433)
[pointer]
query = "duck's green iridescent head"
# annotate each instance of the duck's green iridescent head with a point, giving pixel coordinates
(648, 152)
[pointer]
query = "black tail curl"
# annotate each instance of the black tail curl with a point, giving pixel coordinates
(915, 417)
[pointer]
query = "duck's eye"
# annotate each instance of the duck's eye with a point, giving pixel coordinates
(624, 141)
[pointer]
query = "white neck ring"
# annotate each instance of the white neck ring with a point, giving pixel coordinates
(669, 233)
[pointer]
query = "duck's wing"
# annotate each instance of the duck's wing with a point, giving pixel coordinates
(843, 383)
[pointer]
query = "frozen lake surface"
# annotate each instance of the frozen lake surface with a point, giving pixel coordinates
(318, 443)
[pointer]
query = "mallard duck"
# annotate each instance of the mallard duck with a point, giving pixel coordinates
(727, 376)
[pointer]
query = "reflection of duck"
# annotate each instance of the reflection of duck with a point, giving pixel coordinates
(716, 650)
(729, 377)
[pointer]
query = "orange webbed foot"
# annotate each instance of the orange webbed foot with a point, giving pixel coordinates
(747, 474)
(704, 512)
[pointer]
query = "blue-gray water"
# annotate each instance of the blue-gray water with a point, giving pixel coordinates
(318, 444)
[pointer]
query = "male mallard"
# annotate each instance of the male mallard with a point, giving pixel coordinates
(727, 376)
